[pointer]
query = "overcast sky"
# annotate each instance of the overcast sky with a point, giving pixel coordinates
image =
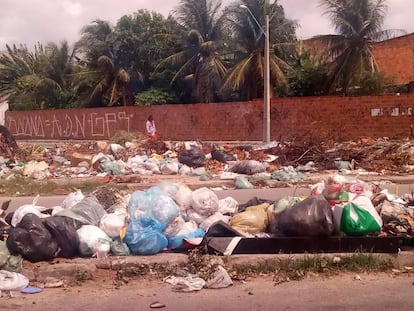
(31, 21)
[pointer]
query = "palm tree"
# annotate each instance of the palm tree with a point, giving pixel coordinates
(358, 24)
(246, 76)
(200, 61)
(108, 81)
(43, 78)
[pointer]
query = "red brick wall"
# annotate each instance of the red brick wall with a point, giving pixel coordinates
(339, 118)
(395, 57)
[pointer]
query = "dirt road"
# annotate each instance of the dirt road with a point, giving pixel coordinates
(317, 292)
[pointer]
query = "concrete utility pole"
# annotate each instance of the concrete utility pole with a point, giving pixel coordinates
(267, 85)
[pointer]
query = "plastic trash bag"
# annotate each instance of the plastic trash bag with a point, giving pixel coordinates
(174, 227)
(194, 216)
(220, 279)
(170, 168)
(9, 262)
(243, 183)
(205, 202)
(72, 199)
(93, 241)
(112, 167)
(144, 236)
(207, 223)
(154, 203)
(12, 281)
(359, 217)
(28, 209)
(253, 220)
(112, 223)
(177, 241)
(228, 206)
(310, 217)
(287, 174)
(179, 192)
(88, 211)
(193, 157)
(64, 232)
(118, 248)
(31, 239)
(222, 156)
(248, 167)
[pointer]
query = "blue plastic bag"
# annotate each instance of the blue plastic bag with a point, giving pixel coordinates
(177, 241)
(154, 203)
(144, 236)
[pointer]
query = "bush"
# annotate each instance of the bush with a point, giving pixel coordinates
(154, 97)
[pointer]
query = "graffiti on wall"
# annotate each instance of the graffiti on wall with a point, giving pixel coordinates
(66, 125)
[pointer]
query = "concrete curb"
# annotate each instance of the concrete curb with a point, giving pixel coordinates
(85, 268)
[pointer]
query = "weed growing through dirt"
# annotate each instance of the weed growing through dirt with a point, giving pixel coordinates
(201, 264)
(295, 269)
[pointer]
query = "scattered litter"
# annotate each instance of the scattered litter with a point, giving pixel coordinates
(157, 305)
(31, 290)
(189, 283)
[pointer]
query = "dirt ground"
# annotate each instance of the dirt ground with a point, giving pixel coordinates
(317, 292)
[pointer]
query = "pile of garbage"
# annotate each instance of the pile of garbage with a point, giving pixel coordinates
(281, 161)
(172, 217)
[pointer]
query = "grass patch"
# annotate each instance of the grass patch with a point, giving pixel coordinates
(21, 185)
(297, 268)
(26, 186)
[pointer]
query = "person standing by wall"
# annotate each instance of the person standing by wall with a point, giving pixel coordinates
(150, 127)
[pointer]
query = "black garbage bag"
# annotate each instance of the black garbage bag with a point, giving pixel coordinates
(222, 156)
(32, 240)
(193, 157)
(63, 231)
(310, 217)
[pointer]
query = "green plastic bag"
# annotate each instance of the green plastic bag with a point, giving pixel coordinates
(357, 221)
(9, 262)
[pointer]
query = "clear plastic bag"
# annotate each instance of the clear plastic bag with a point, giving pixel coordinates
(88, 211)
(154, 203)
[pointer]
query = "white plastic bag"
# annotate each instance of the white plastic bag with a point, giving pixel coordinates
(12, 281)
(213, 219)
(174, 227)
(228, 205)
(112, 223)
(170, 168)
(72, 199)
(93, 241)
(179, 192)
(28, 209)
(205, 202)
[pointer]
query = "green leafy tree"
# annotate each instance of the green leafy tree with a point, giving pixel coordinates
(107, 80)
(358, 24)
(144, 39)
(247, 72)
(199, 61)
(40, 79)
(309, 75)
